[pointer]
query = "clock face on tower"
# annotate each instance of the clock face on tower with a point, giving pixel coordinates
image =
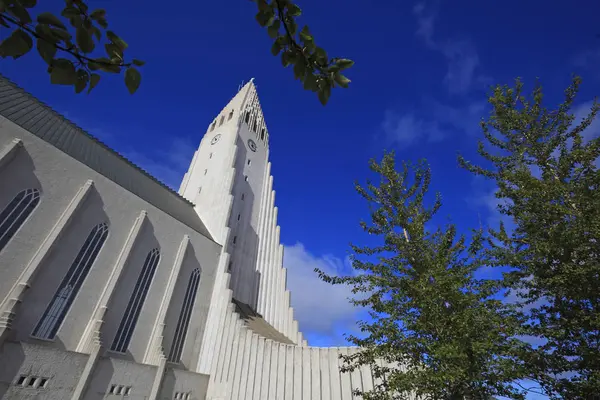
(251, 145)
(215, 139)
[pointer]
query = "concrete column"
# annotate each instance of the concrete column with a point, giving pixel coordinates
(346, 384)
(273, 378)
(315, 372)
(267, 370)
(9, 151)
(306, 373)
(240, 350)
(247, 385)
(154, 351)
(92, 330)
(289, 372)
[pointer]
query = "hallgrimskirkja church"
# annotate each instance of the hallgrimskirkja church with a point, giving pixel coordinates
(113, 286)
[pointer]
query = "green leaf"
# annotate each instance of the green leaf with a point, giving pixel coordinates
(45, 33)
(99, 13)
(294, 10)
(19, 12)
(28, 3)
(120, 43)
(132, 79)
(97, 33)
(263, 17)
(84, 40)
(273, 29)
(344, 63)
(63, 72)
(324, 94)
(94, 79)
(102, 22)
(137, 62)
(16, 45)
(113, 51)
(70, 12)
(321, 56)
(341, 80)
(276, 48)
(46, 50)
(299, 69)
(305, 35)
(50, 19)
(106, 65)
(61, 34)
(82, 80)
(310, 82)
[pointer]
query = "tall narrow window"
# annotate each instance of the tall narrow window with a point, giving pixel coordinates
(230, 115)
(249, 162)
(222, 120)
(247, 116)
(210, 155)
(132, 312)
(184, 317)
(242, 196)
(262, 134)
(234, 239)
(212, 127)
(239, 216)
(16, 212)
(254, 126)
(63, 298)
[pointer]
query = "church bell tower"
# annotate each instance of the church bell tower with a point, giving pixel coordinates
(229, 181)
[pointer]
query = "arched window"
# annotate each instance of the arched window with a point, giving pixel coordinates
(136, 301)
(184, 317)
(61, 302)
(16, 212)
(222, 120)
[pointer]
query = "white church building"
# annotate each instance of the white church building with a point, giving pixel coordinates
(113, 286)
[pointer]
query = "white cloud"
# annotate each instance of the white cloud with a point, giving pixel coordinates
(404, 129)
(321, 309)
(461, 54)
(580, 112)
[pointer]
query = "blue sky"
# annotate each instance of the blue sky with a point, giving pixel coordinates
(419, 86)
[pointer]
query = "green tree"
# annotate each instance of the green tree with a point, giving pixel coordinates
(428, 310)
(546, 166)
(68, 48)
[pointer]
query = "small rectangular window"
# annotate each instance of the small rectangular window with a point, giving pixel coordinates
(200, 190)
(239, 216)
(234, 239)
(205, 171)
(31, 381)
(249, 162)
(21, 380)
(246, 178)
(127, 391)
(212, 127)
(230, 115)
(229, 266)
(43, 382)
(242, 196)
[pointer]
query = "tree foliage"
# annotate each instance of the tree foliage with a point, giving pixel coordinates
(297, 47)
(546, 165)
(66, 44)
(67, 49)
(438, 329)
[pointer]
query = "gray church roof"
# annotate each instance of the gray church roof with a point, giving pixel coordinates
(36, 117)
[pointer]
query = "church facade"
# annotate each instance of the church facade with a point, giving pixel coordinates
(113, 286)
